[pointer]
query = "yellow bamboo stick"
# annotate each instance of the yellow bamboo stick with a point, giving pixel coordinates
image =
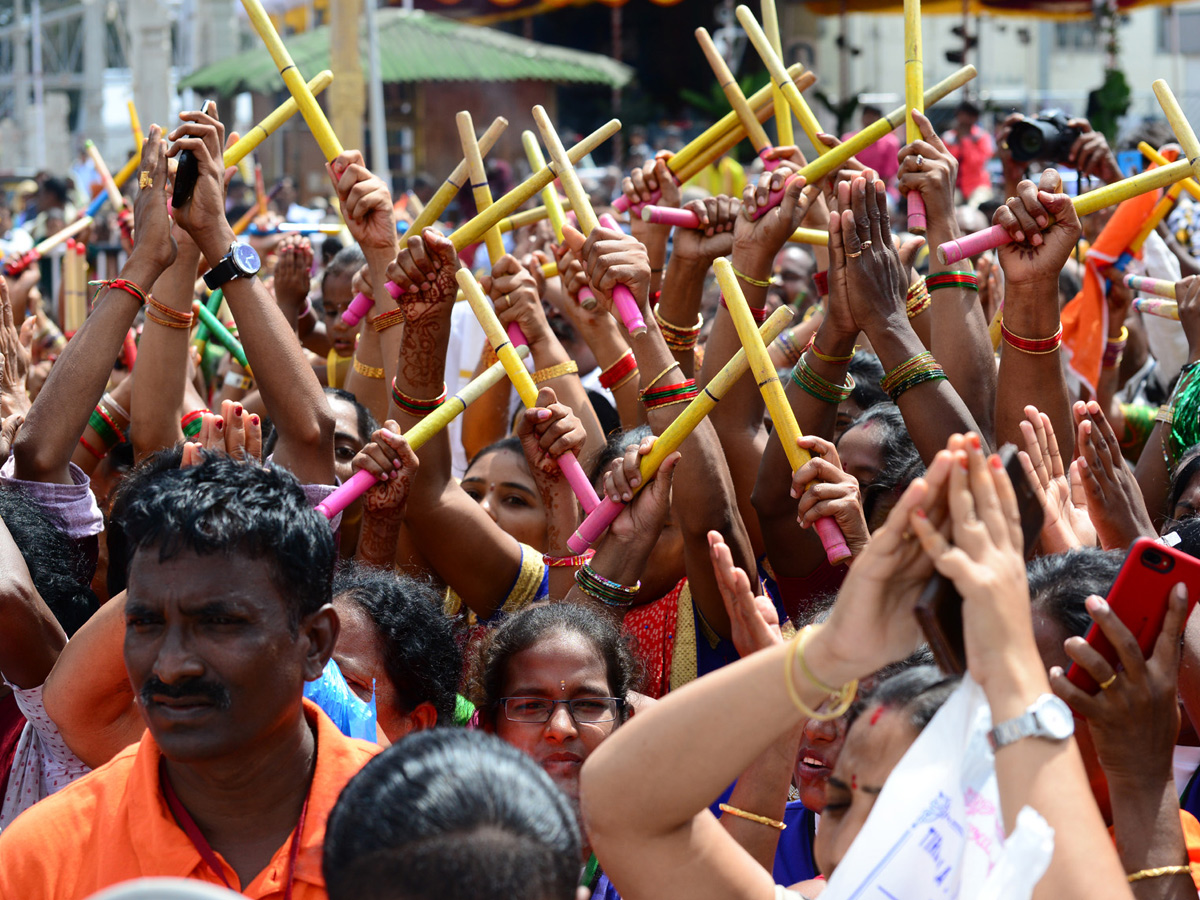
(914, 99)
(782, 416)
(733, 93)
(783, 113)
(551, 205)
(779, 75)
(1161, 210)
(532, 216)
(247, 143)
(810, 236)
(135, 125)
(313, 115)
(471, 231)
(106, 179)
(1189, 184)
(449, 188)
(479, 182)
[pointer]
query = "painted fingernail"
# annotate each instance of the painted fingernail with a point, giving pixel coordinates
(220, 425)
(254, 420)
(920, 513)
(974, 442)
(390, 433)
(237, 410)
(995, 462)
(396, 464)
(543, 415)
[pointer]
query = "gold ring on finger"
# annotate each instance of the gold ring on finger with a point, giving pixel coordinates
(145, 181)
(854, 255)
(865, 244)
(1108, 682)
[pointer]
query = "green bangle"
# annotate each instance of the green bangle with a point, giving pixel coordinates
(818, 387)
(104, 430)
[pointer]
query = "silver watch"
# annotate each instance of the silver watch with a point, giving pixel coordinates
(1048, 717)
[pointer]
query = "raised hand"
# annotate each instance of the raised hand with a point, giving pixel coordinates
(1091, 155)
(1114, 500)
(1065, 522)
(610, 258)
(833, 492)
(424, 270)
(928, 168)
(294, 262)
(549, 430)
(1044, 227)
(718, 217)
(9, 426)
(234, 433)
(770, 231)
(1187, 293)
(393, 462)
(151, 223)
(203, 217)
(640, 184)
(644, 514)
(514, 292)
(875, 272)
(366, 203)
(753, 619)
(15, 357)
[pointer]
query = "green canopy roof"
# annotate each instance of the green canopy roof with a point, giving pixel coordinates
(417, 46)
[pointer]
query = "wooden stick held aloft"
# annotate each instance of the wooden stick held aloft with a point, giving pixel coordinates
(914, 99)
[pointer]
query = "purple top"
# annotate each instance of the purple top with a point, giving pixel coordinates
(72, 506)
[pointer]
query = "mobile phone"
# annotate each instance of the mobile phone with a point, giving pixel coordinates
(939, 608)
(1139, 598)
(187, 172)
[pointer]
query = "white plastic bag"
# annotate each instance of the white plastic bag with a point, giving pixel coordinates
(936, 830)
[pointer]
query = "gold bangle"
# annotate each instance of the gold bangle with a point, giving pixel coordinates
(386, 320)
(1166, 414)
(1143, 874)
(570, 367)
(657, 378)
(757, 282)
(367, 371)
(633, 373)
(752, 817)
(842, 697)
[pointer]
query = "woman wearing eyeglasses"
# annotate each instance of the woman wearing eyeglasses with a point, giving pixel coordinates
(554, 682)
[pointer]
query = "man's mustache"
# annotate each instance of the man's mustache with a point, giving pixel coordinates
(215, 693)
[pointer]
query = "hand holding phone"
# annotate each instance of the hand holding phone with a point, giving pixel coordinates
(187, 172)
(1139, 599)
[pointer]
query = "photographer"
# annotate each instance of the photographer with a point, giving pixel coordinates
(972, 147)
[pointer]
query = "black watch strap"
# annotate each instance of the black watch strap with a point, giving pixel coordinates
(221, 273)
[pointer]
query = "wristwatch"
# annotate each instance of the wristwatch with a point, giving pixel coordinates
(1048, 717)
(240, 261)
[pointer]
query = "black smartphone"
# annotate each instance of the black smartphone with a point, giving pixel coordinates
(187, 172)
(939, 608)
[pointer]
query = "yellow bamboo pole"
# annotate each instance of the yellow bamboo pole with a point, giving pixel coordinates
(449, 188)
(249, 141)
(1189, 184)
(914, 99)
(783, 113)
(479, 182)
(733, 93)
(779, 75)
(313, 115)
(782, 417)
(135, 125)
(551, 205)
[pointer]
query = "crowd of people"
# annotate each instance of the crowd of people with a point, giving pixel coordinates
(431, 695)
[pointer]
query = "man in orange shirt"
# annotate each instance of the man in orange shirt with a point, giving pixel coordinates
(227, 616)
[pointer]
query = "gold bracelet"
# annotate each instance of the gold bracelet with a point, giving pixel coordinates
(657, 378)
(1166, 414)
(752, 817)
(633, 373)
(842, 698)
(757, 282)
(1143, 874)
(570, 367)
(367, 371)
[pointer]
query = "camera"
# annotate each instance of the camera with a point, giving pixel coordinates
(1047, 138)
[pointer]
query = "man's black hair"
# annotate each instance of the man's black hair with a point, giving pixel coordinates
(233, 509)
(56, 564)
(873, 110)
(451, 815)
(901, 461)
(968, 108)
(1060, 584)
(119, 551)
(56, 187)
(422, 660)
(918, 692)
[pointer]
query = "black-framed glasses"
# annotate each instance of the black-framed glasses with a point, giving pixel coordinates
(538, 710)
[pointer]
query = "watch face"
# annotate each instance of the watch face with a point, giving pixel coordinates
(1054, 717)
(246, 259)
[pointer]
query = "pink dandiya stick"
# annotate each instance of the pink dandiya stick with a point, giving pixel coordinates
(1157, 306)
(362, 480)
(1157, 286)
(685, 218)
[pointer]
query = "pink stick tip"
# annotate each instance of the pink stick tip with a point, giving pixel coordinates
(346, 494)
(359, 307)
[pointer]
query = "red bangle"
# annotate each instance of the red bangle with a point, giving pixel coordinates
(760, 314)
(821, 280)
(1035, 346)
(569, 561)
(612, 376)
(90, 449)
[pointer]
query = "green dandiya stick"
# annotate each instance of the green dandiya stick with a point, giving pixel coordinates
(221, 334)
(214, 306)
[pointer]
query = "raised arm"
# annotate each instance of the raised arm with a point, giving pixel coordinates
(959, 331)
(44, 446)
(286, 382)
(442, 519)
(1045, 229)
(30, 637)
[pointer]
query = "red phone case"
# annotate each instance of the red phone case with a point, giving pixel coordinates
(1139, 598)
